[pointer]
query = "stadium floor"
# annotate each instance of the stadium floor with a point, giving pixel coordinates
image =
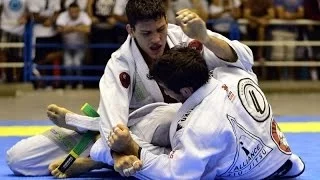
(302, 132)
(25, 115)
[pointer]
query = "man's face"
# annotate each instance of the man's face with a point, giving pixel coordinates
(151, 36)
(74, 12)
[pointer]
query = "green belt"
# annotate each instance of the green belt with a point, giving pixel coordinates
(83, 143)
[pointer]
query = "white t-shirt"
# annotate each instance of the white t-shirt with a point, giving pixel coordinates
(119, 7)
(44, 9)
(73, 38)
(227, 17)
(12, 10)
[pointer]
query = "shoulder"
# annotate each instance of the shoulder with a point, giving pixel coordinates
(84, 16)
(63, 16)
(122, 55)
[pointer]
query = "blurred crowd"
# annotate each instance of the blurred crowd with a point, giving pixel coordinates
(73, 23)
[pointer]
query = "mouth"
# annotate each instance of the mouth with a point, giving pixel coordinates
(155, 48)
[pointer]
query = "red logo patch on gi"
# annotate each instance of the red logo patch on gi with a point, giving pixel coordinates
(197, 45)
(124, 79)
(279, 138)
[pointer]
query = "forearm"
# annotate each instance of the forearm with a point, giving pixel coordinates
(150, 147)
(220, 48)
(121, 19)
(82, 28)
(39, 19)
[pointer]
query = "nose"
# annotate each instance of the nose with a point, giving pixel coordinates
(156, 38)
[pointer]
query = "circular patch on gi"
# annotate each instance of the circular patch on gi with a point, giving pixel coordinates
(124, 79)
(253, 100)
(197, 45)
(279, 138)
(15, 5)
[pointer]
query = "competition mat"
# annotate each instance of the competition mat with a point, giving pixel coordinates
(302, 133)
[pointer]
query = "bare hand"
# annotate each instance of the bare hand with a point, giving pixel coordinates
(111, 21)
(126, 165)
(192, 25)
(119, 138)
(94, 20)
(47, 23)
(57, 115)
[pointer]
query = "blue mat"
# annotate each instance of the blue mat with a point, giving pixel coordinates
(6, 173)
(306, 145)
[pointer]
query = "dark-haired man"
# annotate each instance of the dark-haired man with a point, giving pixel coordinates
(225, 128)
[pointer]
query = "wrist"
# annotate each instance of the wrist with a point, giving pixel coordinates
(205, 41)
(133, 149)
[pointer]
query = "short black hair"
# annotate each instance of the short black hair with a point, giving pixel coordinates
(141, 10)
(180, 67)
(74, 5)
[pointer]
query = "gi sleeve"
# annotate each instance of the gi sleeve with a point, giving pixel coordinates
(150, 147)
(243, 53)
(188, 160)
(115, 94)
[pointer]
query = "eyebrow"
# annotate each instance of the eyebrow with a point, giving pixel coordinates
(146, 31)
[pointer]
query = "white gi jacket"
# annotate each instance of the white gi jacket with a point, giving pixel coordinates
(225, 130)
(125, 85)
(127, 62)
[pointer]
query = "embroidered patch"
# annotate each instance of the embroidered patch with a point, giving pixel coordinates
(279, 138)
(197, 45)
(124, 79)
(251, 151)
(253, 100)
(231, 96)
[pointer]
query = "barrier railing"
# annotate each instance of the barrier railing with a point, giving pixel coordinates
(28, 66)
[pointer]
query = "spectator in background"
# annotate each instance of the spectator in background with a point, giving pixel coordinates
(286, 10)
(226, 11)
(312, 11)
(258, 13)
(258, 17)
(74, 25)
(198, 6)
(44, 14)
(104, 30)
(14, 16)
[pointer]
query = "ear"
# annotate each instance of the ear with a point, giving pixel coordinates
(186, 92)
(129, 30)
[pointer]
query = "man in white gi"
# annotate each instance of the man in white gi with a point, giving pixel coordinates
(124, 85)
(225, 128)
